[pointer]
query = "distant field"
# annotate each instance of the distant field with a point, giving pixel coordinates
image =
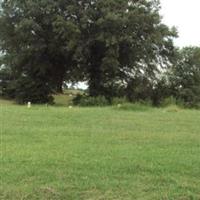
(57, 153)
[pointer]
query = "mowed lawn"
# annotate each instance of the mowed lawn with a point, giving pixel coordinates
(99, 153)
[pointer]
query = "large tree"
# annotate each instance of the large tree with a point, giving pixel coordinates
(38, 39)
(123, 40)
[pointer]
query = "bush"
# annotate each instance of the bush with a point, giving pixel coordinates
(84, 100)
(190, 97)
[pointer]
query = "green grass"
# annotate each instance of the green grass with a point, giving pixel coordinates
(66, 98)
(63, 99)
(107, 153)
(6, 102)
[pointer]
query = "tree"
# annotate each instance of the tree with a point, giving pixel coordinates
(108, 43)
(185, 76)
(38, 39)
(122, 40)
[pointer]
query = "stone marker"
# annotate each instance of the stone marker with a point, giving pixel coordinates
(29, 104)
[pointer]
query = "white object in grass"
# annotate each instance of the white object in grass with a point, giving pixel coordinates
(70, 107)
(29, 104)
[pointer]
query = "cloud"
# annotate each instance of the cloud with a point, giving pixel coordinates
(185, 16)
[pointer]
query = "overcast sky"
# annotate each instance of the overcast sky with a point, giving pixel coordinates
(185, 15)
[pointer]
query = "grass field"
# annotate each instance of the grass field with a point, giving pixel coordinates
(106, 153)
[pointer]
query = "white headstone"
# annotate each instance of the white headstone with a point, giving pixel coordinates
(29, 104)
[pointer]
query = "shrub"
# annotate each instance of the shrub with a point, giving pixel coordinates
(84, 100)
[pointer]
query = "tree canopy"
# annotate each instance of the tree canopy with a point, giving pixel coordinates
(185, 76)
(108, 43)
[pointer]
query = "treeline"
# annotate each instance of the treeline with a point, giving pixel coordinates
(120, 48)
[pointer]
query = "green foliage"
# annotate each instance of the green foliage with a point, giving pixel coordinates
(84, 100)
(27, 91)
(7, 83)
(117, 46)
(139, 89)
(124, 40)
(185, 76)
(162, 91)
(38, 39)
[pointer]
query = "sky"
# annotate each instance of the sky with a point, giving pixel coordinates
(185, 16)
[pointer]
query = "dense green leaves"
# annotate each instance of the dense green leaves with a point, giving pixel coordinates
(120, 47)
(185, 76)
(38, 39)
(124, 38)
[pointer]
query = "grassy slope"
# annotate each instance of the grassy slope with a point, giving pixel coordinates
(99, 153)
